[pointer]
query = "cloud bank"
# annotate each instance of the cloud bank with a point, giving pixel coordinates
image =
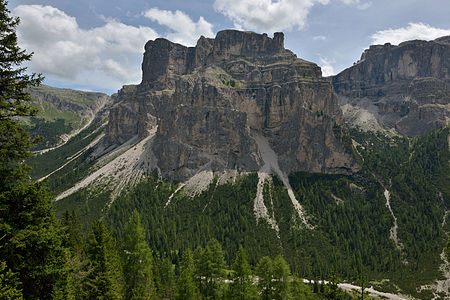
(267, 15)
(270, 15)
(104, 57)
(183, 29)
(414, 31)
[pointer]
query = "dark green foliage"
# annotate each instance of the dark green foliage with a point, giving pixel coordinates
(32, 245)
(14, 101)
(9, 284)
(104, 280)
(137, 261)
(34, 258)
(224, 212)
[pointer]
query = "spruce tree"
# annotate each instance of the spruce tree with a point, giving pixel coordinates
(9, 284)
(137, 261)
(186, 286)
(242, 286)
(31, 244)
(104, 280)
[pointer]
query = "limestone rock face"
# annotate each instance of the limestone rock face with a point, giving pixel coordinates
(209, 101)
(406, 87)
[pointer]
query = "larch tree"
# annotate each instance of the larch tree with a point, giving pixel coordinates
(186, 288)
(264, 271)
(242, 286)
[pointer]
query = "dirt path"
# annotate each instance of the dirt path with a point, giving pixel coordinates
(372, 292)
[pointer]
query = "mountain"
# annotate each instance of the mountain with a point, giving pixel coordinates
(215, 106)
(239, 140)
(62, 113)
(404, 87)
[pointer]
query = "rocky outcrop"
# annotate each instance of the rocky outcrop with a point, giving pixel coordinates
(405, 87)
(211, 100)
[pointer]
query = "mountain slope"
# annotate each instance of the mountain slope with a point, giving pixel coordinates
(62, 113)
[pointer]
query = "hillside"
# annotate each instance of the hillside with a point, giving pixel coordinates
(62, 113)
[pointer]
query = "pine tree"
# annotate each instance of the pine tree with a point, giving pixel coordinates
(104, 280)
(242, 286)
(186, 286)
(137, 261)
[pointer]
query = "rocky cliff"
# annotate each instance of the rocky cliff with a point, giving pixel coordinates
(209, 102)
(404, 87)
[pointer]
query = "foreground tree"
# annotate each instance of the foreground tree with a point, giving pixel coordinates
(264, 271)
(281, 278)
(186, 286)
(104, 280)
(242, 286)
(31, 244)
(167, 286)
(137, 261)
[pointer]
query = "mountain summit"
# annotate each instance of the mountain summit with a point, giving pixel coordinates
(225, 103)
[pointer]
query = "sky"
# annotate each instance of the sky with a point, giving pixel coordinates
(98, 45)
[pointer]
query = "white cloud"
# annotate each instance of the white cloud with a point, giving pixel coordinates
(184, 30)
(357, 3)
(414, 31)
(327, 68)
(319, 38)
(271, 15)
(107, 56)
(267, 15)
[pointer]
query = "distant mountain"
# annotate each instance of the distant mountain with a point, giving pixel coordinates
(62, 113)
(404, 87)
